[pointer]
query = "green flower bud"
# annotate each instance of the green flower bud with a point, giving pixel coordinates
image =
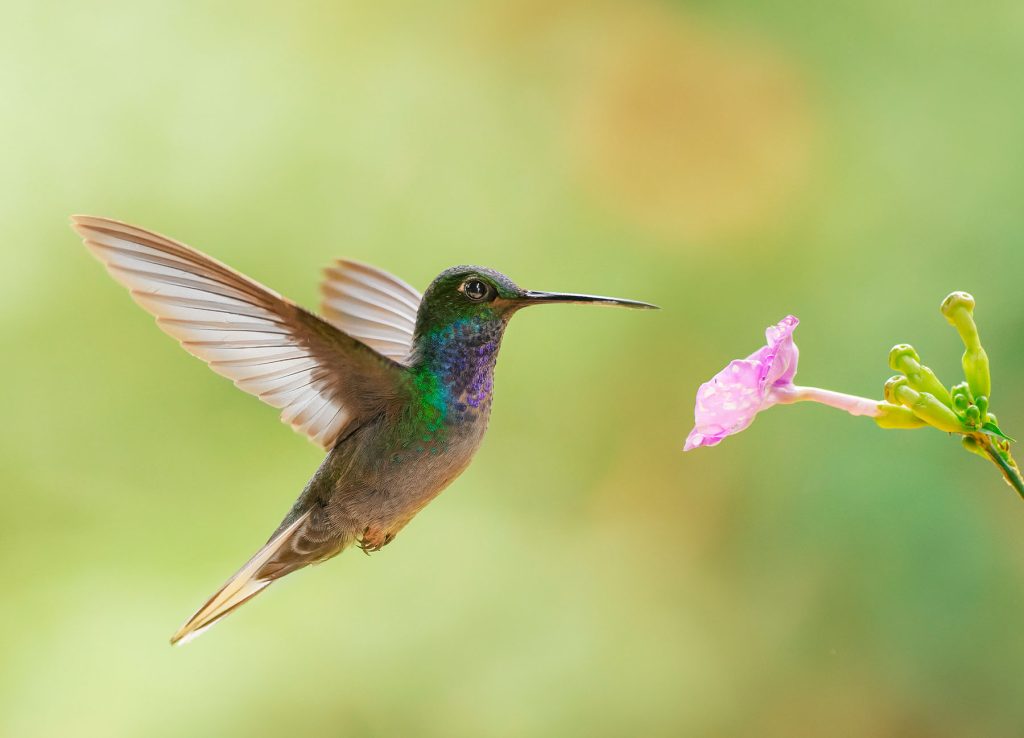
(899, 351)
(896, 416)
(982, 403)
(961, 394)
(903, 358)
(924, 405)
(971, 444)
(954, 303)
(975, 362)
(889, 391)
(959, 311)
(972, 417)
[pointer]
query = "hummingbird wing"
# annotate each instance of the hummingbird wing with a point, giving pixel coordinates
(318, 376)
(369, 304)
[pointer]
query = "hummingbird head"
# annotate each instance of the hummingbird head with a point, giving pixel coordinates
(459, 327)
(483, 296)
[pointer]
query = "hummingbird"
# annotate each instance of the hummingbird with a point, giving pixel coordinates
(395, 386)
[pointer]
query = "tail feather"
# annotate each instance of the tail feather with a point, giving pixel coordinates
(241, 588)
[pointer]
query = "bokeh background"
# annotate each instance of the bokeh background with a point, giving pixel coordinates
(731, 160)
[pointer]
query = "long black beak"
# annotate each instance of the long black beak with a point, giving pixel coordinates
(529, 297)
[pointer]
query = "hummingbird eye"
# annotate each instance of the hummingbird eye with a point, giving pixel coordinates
(475, 289)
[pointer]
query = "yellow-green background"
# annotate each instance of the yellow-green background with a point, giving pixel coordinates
(733, 161)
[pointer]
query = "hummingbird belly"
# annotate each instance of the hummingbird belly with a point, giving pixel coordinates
(376, 479)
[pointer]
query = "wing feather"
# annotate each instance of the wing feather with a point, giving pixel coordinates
(371, 305)
(318, 376)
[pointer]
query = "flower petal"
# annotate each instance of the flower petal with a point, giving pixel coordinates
(732, 398)
(782, 354)
(727, 403)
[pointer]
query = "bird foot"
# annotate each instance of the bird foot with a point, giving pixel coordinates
(374, 539)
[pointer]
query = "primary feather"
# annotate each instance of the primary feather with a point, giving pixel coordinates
(270, 347)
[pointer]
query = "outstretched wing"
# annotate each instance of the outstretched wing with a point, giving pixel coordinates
(320, 378)
(369, 304)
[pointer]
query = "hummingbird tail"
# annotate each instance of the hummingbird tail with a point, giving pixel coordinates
(248, 582)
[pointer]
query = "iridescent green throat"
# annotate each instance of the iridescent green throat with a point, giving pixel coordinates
(453, 370)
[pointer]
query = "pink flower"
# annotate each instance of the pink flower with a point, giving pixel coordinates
(729, 401)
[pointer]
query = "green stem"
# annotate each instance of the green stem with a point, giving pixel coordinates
(1006, 464)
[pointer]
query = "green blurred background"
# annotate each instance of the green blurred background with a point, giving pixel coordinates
(731, 160)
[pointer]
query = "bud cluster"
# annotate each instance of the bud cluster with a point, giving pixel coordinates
(963, 408)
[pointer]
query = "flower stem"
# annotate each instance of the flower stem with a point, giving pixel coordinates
(852, 404)
(1007, 466)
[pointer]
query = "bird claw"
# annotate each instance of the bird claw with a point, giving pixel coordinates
(371, 542)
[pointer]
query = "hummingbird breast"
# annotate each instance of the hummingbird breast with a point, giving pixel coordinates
(387, 472)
